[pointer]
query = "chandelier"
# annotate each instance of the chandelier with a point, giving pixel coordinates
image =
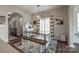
(38, 14)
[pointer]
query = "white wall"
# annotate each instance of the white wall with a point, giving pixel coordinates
(61, 13)
(4, 10)
(72, 25)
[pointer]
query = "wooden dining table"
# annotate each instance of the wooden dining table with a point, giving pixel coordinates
(36, 40)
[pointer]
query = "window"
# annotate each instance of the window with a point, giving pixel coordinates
(45, 25)
(78, 22)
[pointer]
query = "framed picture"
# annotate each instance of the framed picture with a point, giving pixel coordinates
(59, 21)
(2, 19)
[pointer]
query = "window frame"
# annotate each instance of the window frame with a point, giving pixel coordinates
(45, 25)
(76, 22)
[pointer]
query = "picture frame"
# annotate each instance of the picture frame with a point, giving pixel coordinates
(59, 21)
(2, 19)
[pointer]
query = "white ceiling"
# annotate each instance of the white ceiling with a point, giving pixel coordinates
(34, 9)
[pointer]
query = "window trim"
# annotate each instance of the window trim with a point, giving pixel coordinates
(45, 23)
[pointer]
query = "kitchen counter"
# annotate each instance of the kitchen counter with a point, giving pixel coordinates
(6, 48)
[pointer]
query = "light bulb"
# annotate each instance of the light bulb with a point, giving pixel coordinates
(38, 16)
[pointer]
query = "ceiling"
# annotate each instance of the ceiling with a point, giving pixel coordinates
(34, 9)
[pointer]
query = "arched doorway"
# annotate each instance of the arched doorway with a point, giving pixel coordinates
(15, 27)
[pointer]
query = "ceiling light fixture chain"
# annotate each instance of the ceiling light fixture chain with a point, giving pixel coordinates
(38, 9)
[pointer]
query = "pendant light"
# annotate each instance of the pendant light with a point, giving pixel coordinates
(37, 17)
(38, 14)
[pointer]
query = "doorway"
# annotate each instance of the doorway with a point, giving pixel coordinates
(15, 27)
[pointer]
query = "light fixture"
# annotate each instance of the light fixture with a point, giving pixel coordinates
(38, 14)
